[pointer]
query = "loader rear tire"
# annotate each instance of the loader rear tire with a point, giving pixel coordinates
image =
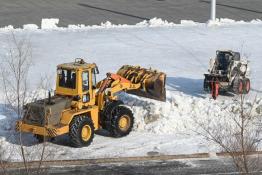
(81, 131)
(122, 121)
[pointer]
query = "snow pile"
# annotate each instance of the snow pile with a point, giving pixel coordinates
(158, 22)
(181, 112)
(30, 27)
(189, 23)
(154, 22)
(49, 23)
(7, 28)
(226, 21)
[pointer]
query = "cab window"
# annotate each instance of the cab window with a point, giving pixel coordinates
(67, 78)
(85, 82)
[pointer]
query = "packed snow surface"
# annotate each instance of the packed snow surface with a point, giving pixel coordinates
(182, 51)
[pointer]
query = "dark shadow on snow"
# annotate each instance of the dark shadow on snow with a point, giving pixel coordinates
(188, 86)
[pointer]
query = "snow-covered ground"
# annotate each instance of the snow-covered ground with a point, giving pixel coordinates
(182, 51)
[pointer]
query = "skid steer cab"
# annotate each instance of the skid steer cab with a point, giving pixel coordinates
(81, 105)
(227, 73)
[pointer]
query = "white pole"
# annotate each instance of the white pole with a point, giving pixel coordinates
(213, 10)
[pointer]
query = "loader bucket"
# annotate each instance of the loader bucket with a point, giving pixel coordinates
(152, 81)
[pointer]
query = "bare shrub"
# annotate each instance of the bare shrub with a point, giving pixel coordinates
(14, 74)
(238, 134)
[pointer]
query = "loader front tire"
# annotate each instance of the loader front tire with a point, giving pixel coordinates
(122, 121)
(81, 131)
(106, 116)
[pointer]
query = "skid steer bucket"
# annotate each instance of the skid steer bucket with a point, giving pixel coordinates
(152, 81)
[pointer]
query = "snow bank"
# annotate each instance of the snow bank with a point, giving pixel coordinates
(226, 21)
(178, 115)
(158, 22)
(30, 27)
(49, 23)
(52, 24)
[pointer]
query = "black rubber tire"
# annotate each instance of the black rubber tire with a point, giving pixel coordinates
(75, 129)
(247, 85)
(106, 115)
(117, 113)
(39, 138)
(237, 84)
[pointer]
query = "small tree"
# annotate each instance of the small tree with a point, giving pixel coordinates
(238, 134)
(14, 73)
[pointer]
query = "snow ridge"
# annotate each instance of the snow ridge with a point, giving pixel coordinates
(179, 114)
(52, 24)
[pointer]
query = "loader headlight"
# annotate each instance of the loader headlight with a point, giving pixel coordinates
(243, 68)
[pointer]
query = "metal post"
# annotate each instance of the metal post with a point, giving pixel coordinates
(213, 10)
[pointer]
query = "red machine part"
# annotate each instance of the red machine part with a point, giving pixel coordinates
(240, 87)
(214, 88)
(247, 85)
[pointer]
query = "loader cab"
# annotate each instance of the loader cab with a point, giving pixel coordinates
(77, 80)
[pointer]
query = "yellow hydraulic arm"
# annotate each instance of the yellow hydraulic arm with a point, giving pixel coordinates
(113, 83)
(116, 83)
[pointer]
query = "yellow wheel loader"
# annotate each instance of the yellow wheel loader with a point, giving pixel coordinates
(80, 105)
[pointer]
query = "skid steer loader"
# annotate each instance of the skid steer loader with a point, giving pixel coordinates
(80, 105)
(227, 73)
